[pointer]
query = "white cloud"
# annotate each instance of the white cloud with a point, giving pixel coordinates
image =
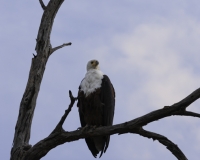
(151, 50)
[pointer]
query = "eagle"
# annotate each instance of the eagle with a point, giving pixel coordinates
(96, 105)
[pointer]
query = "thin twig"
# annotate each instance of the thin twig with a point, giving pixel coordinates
(187, 113)
(42, 5)
(62, 120)
(61, 46)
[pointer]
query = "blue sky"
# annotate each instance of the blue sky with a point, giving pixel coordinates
(149, 49)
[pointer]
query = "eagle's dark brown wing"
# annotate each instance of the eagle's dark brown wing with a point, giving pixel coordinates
(81, 105)
(108, 100)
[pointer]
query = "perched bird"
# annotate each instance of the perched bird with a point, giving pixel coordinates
(96, 104)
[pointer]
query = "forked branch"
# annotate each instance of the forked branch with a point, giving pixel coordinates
(134, 126)
(42, 5)
(165, 141)
(62, 120)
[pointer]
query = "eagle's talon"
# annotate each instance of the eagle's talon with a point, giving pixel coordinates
(79, 128)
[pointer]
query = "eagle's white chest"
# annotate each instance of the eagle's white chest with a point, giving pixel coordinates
(92, 81)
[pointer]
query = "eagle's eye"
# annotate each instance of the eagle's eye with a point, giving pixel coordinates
(92, 62)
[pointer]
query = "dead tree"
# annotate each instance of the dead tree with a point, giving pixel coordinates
(22, 150)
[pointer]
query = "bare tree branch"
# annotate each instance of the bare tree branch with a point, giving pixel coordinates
(165, 141)
(188, 100)
(134, 126)
(42, 5)
(170, 110)
(61, 46)
(59, 125)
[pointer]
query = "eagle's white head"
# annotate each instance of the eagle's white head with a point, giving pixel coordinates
(93, 78)
(92, 64)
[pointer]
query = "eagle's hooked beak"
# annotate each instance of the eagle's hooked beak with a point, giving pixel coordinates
(97, 63)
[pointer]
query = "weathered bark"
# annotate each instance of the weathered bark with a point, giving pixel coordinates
(22, 150)
(28, 102)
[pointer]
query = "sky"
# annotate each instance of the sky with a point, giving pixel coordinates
(148, 48)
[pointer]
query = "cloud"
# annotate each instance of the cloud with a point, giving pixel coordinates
(150, 53)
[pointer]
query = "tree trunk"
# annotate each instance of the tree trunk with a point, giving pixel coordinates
(28, 102)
